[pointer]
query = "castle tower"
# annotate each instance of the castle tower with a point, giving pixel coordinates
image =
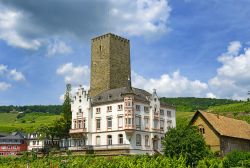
(110, 63)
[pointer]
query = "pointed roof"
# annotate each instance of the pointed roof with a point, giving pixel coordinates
(226, 126)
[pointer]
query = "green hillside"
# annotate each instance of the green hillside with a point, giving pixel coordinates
(53, 109)
(25, 122)
(237, 110)
(193, 104)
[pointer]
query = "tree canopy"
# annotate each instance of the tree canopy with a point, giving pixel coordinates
(185, 141)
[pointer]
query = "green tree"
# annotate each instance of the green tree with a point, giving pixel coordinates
(66, 108)
(185, 141)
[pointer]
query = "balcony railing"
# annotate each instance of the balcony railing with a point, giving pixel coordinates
(100, 147)
(78, 130)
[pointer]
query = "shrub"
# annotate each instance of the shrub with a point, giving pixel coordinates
(237, 158)
(186, 141)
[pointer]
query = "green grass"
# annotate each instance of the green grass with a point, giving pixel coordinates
(183, 118)
(28, 123)
(238, 110)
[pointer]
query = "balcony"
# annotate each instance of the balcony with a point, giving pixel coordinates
(77, 130)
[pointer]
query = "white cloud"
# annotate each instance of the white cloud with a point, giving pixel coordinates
(211, 95)
(141, 17)
(15, 75)
(12, 74)
(58, 47)
(3, 69)
(233, 77)
(4, 86)
(74, 74)
(29, 25)
(173, 85)
(9, 22)
(234, 47)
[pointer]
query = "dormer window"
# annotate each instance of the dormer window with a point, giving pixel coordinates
(155, 99)
(99, 98)
(110, 96)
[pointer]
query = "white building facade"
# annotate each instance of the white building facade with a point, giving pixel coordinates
(120, 121)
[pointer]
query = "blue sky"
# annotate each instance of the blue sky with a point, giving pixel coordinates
(180, 47)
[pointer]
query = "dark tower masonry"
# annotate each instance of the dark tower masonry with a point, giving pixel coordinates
(110, 63)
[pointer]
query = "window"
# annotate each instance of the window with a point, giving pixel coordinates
(147, 140)
(169, 123)
(109, 139)
(138, 140)
(109, 108)
(80, 110)
(98, 124)
(3, 147)
(169, 113)
(15, 147)
(79, 123)
(34, 142)
(162, 124)
(120, 122)
(120, 139)
(138, 122)
(146, 109)
(98, 110)
(201, 129)
(9, 147)
(161, 112)
(109, 122)
(146, 122)
(84, 123)
(74, 124)
(120, 107)
(98, 140)
(155, 124)
(137, 107)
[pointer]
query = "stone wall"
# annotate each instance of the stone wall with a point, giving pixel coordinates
(110, 63)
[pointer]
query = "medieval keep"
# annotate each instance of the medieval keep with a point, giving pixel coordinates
(114, 117)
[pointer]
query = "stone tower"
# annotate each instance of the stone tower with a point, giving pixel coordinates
(110, 63)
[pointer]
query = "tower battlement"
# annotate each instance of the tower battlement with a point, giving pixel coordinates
(112, 36)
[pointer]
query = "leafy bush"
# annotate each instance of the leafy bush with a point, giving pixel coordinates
(138, 161)
(237, 158)
(185, 141)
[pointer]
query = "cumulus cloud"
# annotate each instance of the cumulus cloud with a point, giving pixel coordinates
(9, 23)
(233, 77)
(74, 74)
(15, 75)
(29, 24)
(4, 86)
(12, 74)
(173, 85)
(140, 18)
(58, 47)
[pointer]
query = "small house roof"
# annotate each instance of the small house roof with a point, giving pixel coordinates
(226, 126)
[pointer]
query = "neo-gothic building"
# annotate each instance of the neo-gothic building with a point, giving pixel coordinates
(114, 117)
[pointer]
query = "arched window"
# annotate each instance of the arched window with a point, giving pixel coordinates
(201, 129)
(109, 139)
(120, 139)
(147, 140)
(98, 140)
(138, 140)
